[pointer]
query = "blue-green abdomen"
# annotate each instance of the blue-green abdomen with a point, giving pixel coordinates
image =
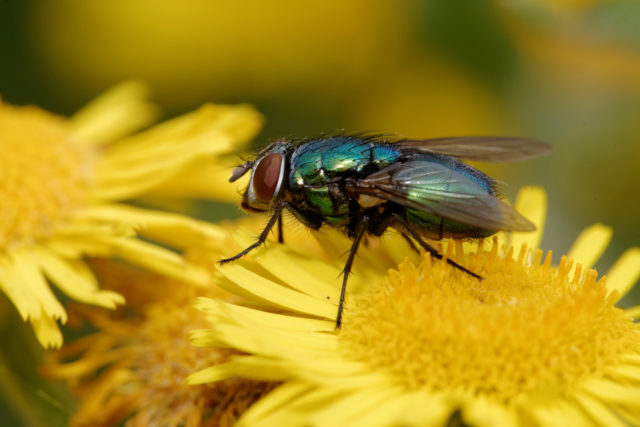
(431, 225)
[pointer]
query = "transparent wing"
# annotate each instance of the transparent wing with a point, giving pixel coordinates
(435, 188)
(481, 148)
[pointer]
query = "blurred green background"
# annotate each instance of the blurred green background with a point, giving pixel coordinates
(562, 71)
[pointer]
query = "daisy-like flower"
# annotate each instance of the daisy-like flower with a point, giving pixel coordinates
(426, 344)
(63, 181)
(133, 368)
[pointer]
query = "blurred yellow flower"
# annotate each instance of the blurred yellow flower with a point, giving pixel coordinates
(133, 368)
(200, 47)
(62, 181)
(425, 344)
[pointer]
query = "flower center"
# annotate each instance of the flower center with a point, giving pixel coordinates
(527, 327)
(43, 174)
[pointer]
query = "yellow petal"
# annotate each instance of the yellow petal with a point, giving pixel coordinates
(558, 413)
(155, 258)
(150, 159)
(47, 331)
(177, 230)
(26, 303)
(205, 180)
(612, 392)
(116, 113)
(256, 367)
(78, 246)
(590, 245)
(600, 413)
(252, 339)
(75, 279)
(399, 408)
(633, 312)
(478, 411)
(27, 267)
(216, 128)
(353, 408)
(627, 372)
(430, 409)
(311, 276)
(625, 272)
(263, 318)
(333, 370)
(126, 181)
(277, 407)
(279, 295)
(531, 202)
(633, 359)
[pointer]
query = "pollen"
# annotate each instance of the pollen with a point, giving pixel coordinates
(525, 329)
(43, 174)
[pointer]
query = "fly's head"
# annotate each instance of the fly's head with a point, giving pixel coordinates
(267, 177)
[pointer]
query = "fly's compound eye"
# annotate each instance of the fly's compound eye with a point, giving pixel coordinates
(266, 177)
(266, 180)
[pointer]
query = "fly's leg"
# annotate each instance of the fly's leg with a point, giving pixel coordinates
(280, 235)
(434, 253)
(263, 237)
(385, 221)
(410, 242)
(361, 228)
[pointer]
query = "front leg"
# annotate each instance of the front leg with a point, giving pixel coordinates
(280, 234)
(263, 236)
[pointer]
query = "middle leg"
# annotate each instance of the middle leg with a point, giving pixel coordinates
(360, 230)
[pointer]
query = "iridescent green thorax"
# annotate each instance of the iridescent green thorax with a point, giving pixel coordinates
(318, 167)
(319, 161)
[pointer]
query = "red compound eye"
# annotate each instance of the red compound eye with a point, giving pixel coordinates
(266, 176)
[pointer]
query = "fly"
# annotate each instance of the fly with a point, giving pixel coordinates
(364, 184)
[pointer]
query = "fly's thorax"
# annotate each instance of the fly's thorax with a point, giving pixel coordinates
(323, 161)
(321, 168)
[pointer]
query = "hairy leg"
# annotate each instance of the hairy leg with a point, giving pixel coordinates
(261, 239)
(360, 230)
(434, 253)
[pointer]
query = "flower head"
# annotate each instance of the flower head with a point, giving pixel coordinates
(426, 342)
(62, 182)
(134, 366)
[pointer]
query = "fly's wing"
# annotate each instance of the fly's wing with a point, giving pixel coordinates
(480, 148)
(440, 190)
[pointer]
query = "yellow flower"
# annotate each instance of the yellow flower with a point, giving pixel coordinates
(62, 182)
(134, 367)
(426, 344)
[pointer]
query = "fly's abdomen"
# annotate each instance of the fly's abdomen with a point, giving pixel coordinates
(318, 169)
(425, 190)
(435, 227)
